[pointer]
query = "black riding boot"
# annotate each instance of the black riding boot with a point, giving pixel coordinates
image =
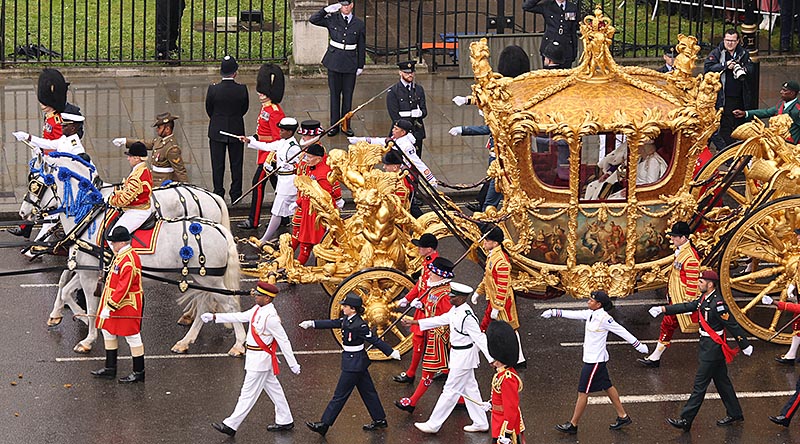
(110, 370)
(138, 371)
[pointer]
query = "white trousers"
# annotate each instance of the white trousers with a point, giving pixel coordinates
(132, 219)
(254, 382)
(459, 381)
(132, 340)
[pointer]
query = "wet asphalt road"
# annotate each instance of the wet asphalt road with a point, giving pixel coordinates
(48, 396)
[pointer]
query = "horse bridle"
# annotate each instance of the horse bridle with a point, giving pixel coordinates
(37, 186)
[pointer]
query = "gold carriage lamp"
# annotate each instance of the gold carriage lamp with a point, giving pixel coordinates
(561, 237)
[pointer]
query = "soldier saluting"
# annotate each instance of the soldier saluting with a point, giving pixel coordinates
(166, 162)
(713, 353)
(560, 25)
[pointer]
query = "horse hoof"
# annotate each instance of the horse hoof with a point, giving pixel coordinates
(237, 351)
(179, 349)
(185, 320)
(80, 348)
(52, 322)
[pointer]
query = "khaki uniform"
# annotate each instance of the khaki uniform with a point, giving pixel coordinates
(166, 162)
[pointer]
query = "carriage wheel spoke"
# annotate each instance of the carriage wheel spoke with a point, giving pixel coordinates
(757, 298)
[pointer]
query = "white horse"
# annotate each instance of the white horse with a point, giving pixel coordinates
(176, 200)
(191, 243)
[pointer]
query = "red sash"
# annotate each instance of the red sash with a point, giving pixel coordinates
(267, 348)
(727, 350)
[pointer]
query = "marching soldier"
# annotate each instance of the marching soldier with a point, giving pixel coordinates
(426, 247)
(121, 307)
(435, 301)
(261, 361)
(594, 375)
(496, 287)
(307, 231)
(465, 340)
(681, 286)
(166, 162)
(406, 100)
(507, 424)
(713, 352)
(344, 59)
(270, 87)
(560, 25)
(286, 152)
(134, 195)
(355, 365)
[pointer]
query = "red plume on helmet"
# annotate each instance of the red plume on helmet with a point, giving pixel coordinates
(271, 82)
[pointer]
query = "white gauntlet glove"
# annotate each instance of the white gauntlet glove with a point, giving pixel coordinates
(486, 406)
(340, 204)
(330, 9)
(395, 355)
(456, 131)
(416, 304)
(305, 325)
(292, 206)
(105, 313)
(766, 300)
(503, 440)
(295, 369)
(494, 314)
(549, 313)
(748, 351)
(460, 100)
(207, 317)
(119, 141)
(359, 71)
(21, 135)
(655, 311)
(403, 303)
(416, 113)
(474, 298)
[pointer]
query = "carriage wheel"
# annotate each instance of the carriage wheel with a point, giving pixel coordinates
(766, 235)
(736, 195)
(378, 289)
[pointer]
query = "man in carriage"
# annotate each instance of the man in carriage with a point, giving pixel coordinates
(166, 162)
(435, 301)
(133, 198)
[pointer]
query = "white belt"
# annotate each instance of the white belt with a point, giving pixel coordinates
(405, 113)
(353, 348)
(162, 169)
(703, 333)
(343, 46)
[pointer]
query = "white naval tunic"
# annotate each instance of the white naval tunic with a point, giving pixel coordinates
(598, 324)
(258, 364)
(286, 159)
(65, 144)
(465, 340)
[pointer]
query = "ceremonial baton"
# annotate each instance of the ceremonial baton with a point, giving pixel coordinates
(396, 321)
(86, 315)
(784, 328)
(480, 403)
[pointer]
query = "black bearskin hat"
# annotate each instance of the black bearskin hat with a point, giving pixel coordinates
(52, 89)
(270, 82)
(514, 61)
(502, 343)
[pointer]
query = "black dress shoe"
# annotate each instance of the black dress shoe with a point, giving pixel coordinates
(348, 132)
(280, 427)
(781, 360)
(405, 405)
(568, 428)
(246, 225)
(648, 363)
(105, 373)
(375, 425)
(680, 424)
(440, 376)
(223, 428)
(133, 377)
(319, 427)
(620, 422)
(333, 131)
(728, 420)
(780, 420)
(403, 378)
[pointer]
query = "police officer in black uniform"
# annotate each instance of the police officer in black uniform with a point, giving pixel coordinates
(715, 318)
(406, 100)
(560, 24)
(345, 57)
(355, 365)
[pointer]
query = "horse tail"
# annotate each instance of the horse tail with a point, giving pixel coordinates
(224, 218)
(232, 272)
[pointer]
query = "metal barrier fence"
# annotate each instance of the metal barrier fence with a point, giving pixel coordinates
(402, 29)
(140, 31)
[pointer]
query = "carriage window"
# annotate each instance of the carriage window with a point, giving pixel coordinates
(604, 158)
(550, 160)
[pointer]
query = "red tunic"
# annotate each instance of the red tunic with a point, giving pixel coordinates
(437, 343)
(306, 228)
(122, 295)
(135, 191)
(506, 386)
(52, 129)
(268, 131)
(419, 291)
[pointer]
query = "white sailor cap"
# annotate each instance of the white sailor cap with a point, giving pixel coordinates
(72, 118)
